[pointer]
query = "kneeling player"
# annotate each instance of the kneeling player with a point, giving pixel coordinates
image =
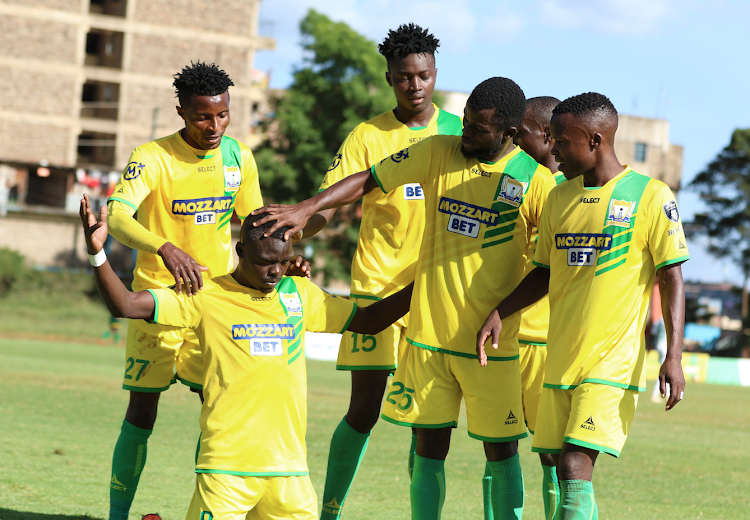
(251, 326)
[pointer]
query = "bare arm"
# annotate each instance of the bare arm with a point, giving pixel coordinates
(530, 290)
(318, 222)
(121, 302)
(296, 216)
(672, 289)
(376, 317)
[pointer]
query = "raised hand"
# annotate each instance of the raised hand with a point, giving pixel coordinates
(185, 270)
(295, 216)
(299, 267)
(492, 327)
(94, 231)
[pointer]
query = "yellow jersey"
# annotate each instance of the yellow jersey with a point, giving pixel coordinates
(187, 196)
(478, 222)
(535, 317)
(254, 414)
(392, 223)
(603, 247)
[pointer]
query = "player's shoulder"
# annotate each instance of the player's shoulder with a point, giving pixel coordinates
(448, 123)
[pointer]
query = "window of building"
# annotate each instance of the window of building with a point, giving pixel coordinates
(108, 7)
(104, 48)
(100, 99)
(96, 149)
(640, 152)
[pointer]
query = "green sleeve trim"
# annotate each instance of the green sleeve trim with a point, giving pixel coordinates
(255, 473)
(545, 450)
(673, 261)
(459, 354)
(364, 297)
(539, 265)
(385, 368)
(451, 424)
(591, 446)
(118, 199)
(534, 343)
(185, 382)
(351, 317)
(146, 390)
(375, 176)
(156, 305)
(560, 387)
(498, 439)
(321, 190)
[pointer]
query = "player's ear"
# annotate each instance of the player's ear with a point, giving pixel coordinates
(510, 133)
(596, 140)
(239, 250)
(180, 112)
(388, 78)
(547, 135)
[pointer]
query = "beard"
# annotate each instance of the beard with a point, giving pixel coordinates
(483, 153)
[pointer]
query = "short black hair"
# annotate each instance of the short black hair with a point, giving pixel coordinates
(200, 79)
(408, 39)
(589, 104)
(252, 233)
(540, 108)
(502, 94)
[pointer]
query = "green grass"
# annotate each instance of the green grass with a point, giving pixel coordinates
(62, 407)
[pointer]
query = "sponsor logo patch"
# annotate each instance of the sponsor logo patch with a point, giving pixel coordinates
(465, 219)
(671, 211)
(582, 247)
(336, 162)
(511, 191)
(232, 178)
(588, 424)
(133, 170)
(620, 212)
(262, 331)
(413, 191)
(205, 205)
(512, 419)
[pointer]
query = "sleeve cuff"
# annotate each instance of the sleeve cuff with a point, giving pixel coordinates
(351, 317)
(126, 202)
(540, 265)
(673, 261)
(375, 176)
(156, 306)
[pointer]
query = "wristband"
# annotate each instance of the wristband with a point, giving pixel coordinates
(98, 259)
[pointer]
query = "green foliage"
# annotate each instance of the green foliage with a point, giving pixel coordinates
(340, 83)
(725, 187)
(12, 267)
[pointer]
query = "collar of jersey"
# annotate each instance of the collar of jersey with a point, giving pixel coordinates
(610, 183)
(200, 154)
(254, 293)
(416, 128)
(503, 161)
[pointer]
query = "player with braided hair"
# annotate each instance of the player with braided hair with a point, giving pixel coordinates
(389, 239)
(185, 188)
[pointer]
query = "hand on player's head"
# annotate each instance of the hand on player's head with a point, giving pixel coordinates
(95, 232)
(292, 216)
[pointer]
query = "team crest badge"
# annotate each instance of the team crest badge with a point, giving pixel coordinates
(291, 303)
(133, 170)
(671, 211)
(336, 162)
(511, 191)
(620, 212)
(232, 178)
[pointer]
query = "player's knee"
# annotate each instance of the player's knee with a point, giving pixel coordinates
(497, 451)
(433, 443)
(546, 459)
(142, 409)
(363, 414)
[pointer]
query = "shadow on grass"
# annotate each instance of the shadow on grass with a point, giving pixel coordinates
(8, 514)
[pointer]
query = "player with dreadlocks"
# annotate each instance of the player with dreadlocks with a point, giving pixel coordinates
(483, 195)
(389, 239)
(185, 188)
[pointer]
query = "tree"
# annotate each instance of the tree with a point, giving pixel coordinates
(725, 187)
(340, 84)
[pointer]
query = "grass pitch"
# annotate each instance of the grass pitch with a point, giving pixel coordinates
(62, 407)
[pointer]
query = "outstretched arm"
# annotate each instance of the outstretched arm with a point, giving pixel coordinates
(672, 289)
(121, 302)
(296, 216)
(376, 317)
(530, 290)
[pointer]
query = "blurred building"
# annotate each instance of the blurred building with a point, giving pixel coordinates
(641, 142)
(86, 81)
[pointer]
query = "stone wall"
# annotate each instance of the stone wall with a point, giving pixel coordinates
(38, 39)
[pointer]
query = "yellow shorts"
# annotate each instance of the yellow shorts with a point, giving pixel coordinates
(154, 353)
(229, 497)
(427, 388)
(592, 415)
(532, 359)
(379, 352)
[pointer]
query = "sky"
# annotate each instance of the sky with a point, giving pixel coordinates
(680, 60)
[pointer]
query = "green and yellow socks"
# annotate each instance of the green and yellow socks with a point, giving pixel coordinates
(127, 465)
(487, 492)
(348, 446)
(577, 501)
(427, 488)
(507, 488)
(550, 491)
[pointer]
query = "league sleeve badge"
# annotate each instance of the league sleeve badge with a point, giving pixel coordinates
(671, 211)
